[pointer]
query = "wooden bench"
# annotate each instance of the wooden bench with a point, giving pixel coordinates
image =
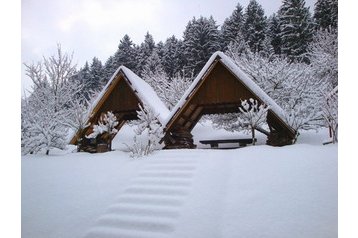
(215, 143)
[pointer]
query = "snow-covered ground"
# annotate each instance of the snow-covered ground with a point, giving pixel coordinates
(256, 191)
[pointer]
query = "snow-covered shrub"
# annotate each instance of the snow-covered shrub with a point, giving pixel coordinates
(252, 116)
(45, 110)
(148, 126)
(106, 125)
(139, 149)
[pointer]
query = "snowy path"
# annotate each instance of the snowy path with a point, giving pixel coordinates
(150, 205)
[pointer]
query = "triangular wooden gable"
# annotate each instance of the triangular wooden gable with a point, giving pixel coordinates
(218, 89)
(121, 95)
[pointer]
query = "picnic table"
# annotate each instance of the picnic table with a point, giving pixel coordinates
(215, 143)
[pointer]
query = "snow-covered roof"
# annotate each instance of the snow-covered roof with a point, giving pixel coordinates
(142, 89)
(245, 79)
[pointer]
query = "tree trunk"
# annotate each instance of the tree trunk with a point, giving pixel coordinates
(253, 135)
(47, 151)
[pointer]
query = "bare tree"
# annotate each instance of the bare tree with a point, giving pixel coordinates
(47, 106)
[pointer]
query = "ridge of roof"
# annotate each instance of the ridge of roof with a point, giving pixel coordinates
(146, 93)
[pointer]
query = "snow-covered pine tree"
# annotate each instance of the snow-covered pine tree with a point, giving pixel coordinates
(274, 32)
(149, 126)
(172, 59)
(96, 70)
(252, 116)
(145, 51)
(108, 69)
(105, 128)
(232, 27)
(201, 40)
(126, 54)
(255, 24)
(91, 77)
(160, 49)
(296, 29)
(326, 14)
(152, 64)
(47, 106)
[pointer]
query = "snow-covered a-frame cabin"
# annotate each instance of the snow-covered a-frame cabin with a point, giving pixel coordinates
(121, 95)
(219, 88)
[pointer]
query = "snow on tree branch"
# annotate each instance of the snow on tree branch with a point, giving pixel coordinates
(148, 126)
(107, 124)
(330, 112)
(253, 115)
(47, 107)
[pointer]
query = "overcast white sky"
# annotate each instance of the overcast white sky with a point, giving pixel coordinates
(94, 27)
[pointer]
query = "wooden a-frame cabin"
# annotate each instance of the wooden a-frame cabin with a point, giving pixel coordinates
(121, 95)
(219, 88)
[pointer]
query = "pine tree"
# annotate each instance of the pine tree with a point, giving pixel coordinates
(160, 49)
(254, 26)
(85, 78)
(326, 14)
(96, 71)
(296, 29)
(125, 54)
(145, 51)
(152, 64)
(274, 32)
(232, 27)
(109, 69)
(172, 56)
(201, 40)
